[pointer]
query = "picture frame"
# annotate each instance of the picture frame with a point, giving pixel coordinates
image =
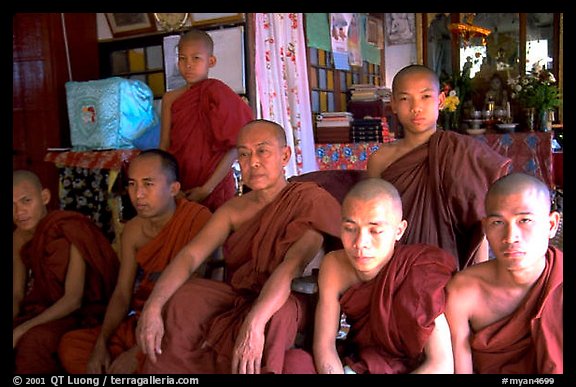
(127, 24)
(375, 32)
(205, 19)
(400, 28)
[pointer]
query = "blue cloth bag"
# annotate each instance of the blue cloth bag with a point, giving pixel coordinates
(112, 113)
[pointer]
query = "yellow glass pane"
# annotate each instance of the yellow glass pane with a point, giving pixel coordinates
(323, 101)
(156, 83)
(313, 75)
(322, 57)
(136, 60)
(330, 80)
(343, 102)
(349, 80)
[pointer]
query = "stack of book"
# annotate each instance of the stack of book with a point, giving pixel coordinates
(367, 130)
(333, 127)
(366, 92)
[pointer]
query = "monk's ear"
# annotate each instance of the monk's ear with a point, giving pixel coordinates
(45, 195)
(175, 188)
(212, 61)
(286, 153)
(441, 100)
(400, 229)
(554, 219)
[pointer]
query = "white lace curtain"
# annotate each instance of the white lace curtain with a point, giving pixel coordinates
(282, 84)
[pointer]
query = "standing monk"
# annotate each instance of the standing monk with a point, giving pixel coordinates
(64, 270)
(442, 176)
(246, 323)
(161, 227)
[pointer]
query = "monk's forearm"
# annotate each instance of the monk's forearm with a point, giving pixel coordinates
(328, 362)
(221, 170)
(60, 309)
(115, 313)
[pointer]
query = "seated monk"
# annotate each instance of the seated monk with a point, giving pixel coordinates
(393, 295)
(442, 176)
(64, 270)
(270, 234)
(161, 227)
(506, 314)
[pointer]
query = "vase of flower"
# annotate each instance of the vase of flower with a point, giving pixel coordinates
(545, 120)
(529, 118)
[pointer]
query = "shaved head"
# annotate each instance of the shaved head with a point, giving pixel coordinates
(376, 188)
(516, 183)
(28, 176)
(415, 69)
(279, 132)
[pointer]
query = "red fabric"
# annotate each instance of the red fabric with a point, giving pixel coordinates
(187, 220)
(47, 256)
(206, 120)
(442, 184)
(203, 317)
(392, 316)
(530, 340)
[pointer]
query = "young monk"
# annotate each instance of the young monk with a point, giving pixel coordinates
(442, 176)
(244, 324)
(393, 295)
(200, 122)
(161, 227)
(64, 270)
(506, 314)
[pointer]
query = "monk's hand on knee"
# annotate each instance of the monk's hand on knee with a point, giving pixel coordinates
(149, 333)
(247, 353)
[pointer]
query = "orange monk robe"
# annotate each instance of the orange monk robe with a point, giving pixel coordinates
(442, 184)
(187, 220)
(203, 317)
(391, 316)
(46, 256)
(530, 340)
(206, 120)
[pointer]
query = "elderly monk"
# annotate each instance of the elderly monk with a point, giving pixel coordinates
(393, 296)
(506, 314)
(64, 271)
(161, 227)
(246, 323)
(442, 176)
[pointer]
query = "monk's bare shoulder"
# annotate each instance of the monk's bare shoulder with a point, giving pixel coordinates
(338, 268)
(384, 156)
(172, 95)
(473, 280)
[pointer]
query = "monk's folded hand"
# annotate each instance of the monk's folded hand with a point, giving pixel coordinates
(197, 194)
(126, 362)
(248, 349)
(99, 359)
(149, 333)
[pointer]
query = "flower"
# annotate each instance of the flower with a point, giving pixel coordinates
(537, 89)
(451, 102)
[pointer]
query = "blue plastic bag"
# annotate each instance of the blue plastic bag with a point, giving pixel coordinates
(112, 113)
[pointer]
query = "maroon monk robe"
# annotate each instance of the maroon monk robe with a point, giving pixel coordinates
(203, 317)
(47, 256)
(391, 316)
(531, 339)
(187, 220)
(206, 120)
(442, 184)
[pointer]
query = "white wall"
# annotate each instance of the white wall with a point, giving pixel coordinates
(397, 57)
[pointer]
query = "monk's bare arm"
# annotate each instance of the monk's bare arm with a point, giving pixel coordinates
(458, 306)
(224, 165)
(166, 117)
(327, 318)
(438, 350)
(68, 303)
(18, 274)
(275, 292)
(119, 303)
(150, 326)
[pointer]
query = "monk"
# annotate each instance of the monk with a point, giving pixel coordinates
(393, 296)
(200, 122)
(506, 314)
(162, 226)
(64, 270)
(245, 324)
(442, 176)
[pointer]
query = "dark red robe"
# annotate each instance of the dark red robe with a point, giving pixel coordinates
(530, 340)
(203, 317)
(442, 184)
(206, 120)
(46, 256)
(391, 316)
(188, 219)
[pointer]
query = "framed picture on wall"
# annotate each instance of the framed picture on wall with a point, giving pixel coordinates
(126, 24)
(400, 28)
(203, 19)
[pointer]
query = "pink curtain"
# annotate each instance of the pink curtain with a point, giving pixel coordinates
(282, 84)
